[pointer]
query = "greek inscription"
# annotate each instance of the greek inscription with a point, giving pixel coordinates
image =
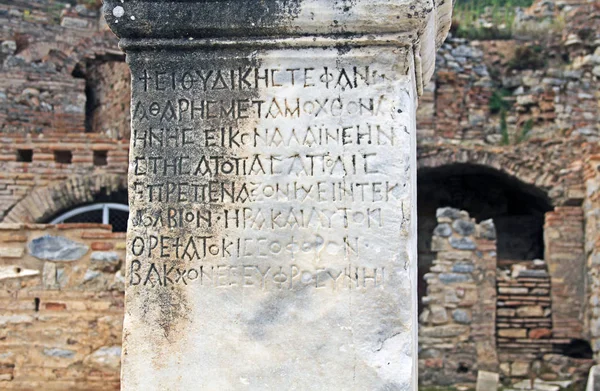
(250, 78)
(179, 110)
(255, 276)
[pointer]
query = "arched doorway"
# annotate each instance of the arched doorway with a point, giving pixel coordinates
(103, 213)
(104, 208)
(516, 208)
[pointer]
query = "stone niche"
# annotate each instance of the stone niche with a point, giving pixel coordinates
(272, 238)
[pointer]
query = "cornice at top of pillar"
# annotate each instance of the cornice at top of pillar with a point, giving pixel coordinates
(421, 24)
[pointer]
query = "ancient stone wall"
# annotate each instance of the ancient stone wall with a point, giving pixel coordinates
(41, 176)
(38, 93)
(564, 254)
(61, 295)
(457, 324)
(540, 87)
(109, 99)
(524, 316)
(591, 208)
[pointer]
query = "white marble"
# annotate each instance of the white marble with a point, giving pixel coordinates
(272, 236)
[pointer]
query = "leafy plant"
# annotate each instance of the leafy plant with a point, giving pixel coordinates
(497, 102)
(527, 126)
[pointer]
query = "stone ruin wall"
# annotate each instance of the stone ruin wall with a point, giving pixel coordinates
(60, 324)
(64, 87)
(591, 208)
(516, 320)
(457, 324)
(540, 306)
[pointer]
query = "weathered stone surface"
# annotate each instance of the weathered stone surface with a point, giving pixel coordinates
(593, 383)
(14, 271)
(8, 47)
(56, 248)
(443, 331)
(513, 291)
(91, 275)
(512, 333)
(461, 316)
(540, 333)
(532, 311)
(107, 261)
(451, 213)
(443, 230)
(463, 243)
(450, 278)
(533, 274)
(107, 357)
(11, 252)
(463, 227)
(58, 352)
(439, 315)
(463, 267)
(15, 319)
(487, 381)
(519, 368)
(510, 312)
(258, 144)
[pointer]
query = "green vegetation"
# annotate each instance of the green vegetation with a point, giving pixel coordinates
(498, 105)
(497, 102)
(467, 13)
(527, 126)
(54, 11)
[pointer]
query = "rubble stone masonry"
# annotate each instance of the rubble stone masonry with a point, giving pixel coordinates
(61, 306)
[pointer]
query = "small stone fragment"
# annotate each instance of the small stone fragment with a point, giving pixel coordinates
(463, 227)
(533, 311)
(443, 229)
(105, 358)
(58, 352)
(448, 212)
(463, 243)
(56, 248)
(461, 316)
(487, 381)
(106, 261)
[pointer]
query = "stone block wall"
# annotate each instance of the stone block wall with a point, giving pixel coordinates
(35, 183)
(109, 88)
(591, 208)
(564, 254)
(556, 93)
(61, 306)
(457, 324)
(38, 92)
(524, 317)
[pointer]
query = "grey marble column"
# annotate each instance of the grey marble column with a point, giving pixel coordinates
(272, 178)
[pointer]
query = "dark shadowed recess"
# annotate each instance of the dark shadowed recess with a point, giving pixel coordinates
(516, 208)
(117, 218)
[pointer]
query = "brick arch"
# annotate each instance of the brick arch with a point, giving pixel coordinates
(43, 203)
(101, 46)
(39, 50)
(535, 171)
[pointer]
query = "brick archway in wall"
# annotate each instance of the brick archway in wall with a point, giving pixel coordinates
(43, 203)
(542, 170)
(538, 180)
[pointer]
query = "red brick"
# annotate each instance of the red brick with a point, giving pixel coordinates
(102, 246)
